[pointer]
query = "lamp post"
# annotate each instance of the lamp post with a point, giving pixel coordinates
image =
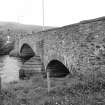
(43, 18)
(43, 42)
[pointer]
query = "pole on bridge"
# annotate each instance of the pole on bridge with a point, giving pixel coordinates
(47, 71)
(43, 68)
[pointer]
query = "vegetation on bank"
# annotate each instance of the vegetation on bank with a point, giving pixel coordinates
(76, 89)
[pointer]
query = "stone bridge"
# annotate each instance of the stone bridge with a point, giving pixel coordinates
(35, 47)
(62, 50)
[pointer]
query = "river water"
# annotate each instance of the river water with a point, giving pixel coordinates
(9, 68)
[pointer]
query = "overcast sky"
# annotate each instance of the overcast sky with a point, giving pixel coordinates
(57, 12)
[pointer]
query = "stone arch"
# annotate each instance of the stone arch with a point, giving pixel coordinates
(31, 41)
(48, 58)
(26, 51)
(57, 68)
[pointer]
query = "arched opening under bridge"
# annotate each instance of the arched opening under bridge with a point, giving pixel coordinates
(57, 69)
(32, 63)
(26, 52)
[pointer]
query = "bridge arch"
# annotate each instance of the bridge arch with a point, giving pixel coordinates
(57, 68)
(30, 44)
(26, 51)
(30, 41)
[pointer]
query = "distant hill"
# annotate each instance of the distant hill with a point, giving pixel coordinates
(20, 27)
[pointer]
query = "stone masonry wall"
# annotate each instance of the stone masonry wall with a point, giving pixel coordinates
(80, 46)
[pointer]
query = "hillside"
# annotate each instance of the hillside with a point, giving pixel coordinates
(19, 30)
(18, 26)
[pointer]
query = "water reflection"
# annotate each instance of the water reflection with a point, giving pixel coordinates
(9, 67)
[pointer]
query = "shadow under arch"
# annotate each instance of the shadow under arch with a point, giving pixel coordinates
(57, 69)
(26, 52)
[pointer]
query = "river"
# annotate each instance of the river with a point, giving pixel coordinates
(9, 68)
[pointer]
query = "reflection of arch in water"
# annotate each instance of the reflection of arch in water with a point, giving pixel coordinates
(57, 69)
(26, 52)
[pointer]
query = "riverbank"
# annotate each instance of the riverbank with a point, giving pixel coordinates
(72, 90)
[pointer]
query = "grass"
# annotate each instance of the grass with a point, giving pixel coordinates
(72, 90)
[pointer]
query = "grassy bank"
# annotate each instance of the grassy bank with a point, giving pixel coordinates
(72, 90)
